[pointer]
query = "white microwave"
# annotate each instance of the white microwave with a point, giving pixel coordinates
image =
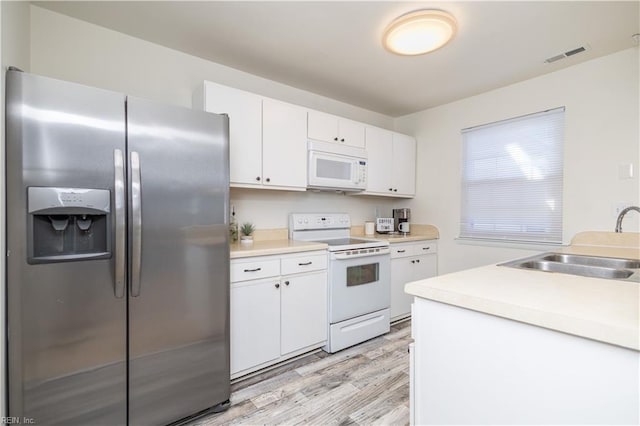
(338, 168)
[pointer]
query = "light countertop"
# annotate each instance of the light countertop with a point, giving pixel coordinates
(268, 247)
(418, 233)
(275, 241)
(599, 309)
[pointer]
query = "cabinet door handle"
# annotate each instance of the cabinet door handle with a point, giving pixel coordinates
(417, 260)
(277, 285)
(400, 251)
(286, 282)
(395, 190)
(342, 140)
(413, 261)
(390, 189)
(426, 248)
(268, 179)
(258, 178)
(335, 139)
(253, 270)
(305, 264)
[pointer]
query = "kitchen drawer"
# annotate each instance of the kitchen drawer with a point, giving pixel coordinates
(401, 250)
(298, 264)
(425, 247)
(413, 249)
(252, 270)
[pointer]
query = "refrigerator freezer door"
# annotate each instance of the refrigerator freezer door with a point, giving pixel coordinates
(179, 308)
(66, 327)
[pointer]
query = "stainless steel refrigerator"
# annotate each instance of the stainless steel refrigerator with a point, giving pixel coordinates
(117, 256)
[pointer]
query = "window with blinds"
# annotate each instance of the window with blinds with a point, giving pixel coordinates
(512, 179)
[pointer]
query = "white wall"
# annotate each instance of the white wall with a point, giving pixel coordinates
(74, 50)
(602, 122)
(601, 97)
(14, 51)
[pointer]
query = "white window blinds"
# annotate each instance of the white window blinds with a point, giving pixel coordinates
(512, 179)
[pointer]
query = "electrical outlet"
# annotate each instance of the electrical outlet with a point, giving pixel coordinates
(625, 171)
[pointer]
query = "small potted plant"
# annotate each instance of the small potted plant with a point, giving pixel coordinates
(247, 229)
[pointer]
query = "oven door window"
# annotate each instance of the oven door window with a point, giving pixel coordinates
(362, 274)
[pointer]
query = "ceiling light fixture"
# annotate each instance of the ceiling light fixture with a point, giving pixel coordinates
(419, 32)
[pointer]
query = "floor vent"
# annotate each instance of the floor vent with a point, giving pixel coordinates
(565, 54)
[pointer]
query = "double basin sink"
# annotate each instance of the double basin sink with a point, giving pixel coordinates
(586, 266)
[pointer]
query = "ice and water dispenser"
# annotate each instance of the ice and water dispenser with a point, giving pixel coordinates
(67, 224)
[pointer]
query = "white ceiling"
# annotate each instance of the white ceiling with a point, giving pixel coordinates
(333, 48)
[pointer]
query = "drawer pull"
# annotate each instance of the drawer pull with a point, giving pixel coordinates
(426, 248)
(253, 270)
(401, 251)
(305, 264)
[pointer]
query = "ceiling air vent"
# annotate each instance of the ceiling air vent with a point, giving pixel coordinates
(566, 54)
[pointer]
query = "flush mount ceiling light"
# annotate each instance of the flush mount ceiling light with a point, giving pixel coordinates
(419, 32)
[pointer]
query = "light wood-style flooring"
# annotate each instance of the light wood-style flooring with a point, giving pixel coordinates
(366, 384)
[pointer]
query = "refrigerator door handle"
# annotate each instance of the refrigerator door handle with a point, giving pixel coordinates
(119, 249)
(136, 225)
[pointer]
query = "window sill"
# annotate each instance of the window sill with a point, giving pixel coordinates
(523, 245)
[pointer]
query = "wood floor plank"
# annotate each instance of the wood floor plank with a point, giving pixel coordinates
(377, 393)
(398, 416)
(267, 385)
(393, 345)
(379, 408)
(362, 385)
(237, 410)
(283, 368)
(299, 413)
(282, 411)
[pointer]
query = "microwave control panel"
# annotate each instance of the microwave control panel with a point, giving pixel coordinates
(362, 172)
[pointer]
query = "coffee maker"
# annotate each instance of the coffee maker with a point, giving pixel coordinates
(401, 220)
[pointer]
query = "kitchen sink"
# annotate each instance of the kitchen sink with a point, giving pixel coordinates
(605, 262)
(586, 266)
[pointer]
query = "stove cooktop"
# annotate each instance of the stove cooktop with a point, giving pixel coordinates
(343, 241)
(342, 244)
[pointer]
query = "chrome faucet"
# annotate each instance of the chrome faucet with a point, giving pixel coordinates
(621, 216)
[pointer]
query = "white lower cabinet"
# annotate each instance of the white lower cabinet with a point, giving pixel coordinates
(410, 262)
(303, 308)
(255, 323)
(279, 317)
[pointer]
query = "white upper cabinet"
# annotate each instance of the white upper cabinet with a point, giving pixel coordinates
(268, 143)
(330, 128)
(245, 129)
(267, 138)
(404, 165)
(392, 163)
(379, 153)
(284, 144)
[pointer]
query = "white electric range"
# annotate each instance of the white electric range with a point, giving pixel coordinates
(359, 278)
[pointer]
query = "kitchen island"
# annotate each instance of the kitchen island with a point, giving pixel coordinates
(498, 345)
